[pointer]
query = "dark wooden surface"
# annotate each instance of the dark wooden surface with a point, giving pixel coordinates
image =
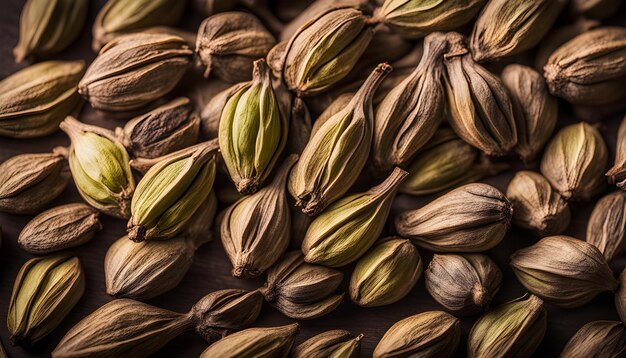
(211, 269)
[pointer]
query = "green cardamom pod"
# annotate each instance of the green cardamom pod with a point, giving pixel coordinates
(300, 290)
(48, 27)
(171, 192)
(29, 182)
(99, 165)
(45, 291)
(606, 228)
(312, 11)
(133, 70)
(620, 297)
(472, 218)
(336, 343)
(337, 152)
(480, 108)
(255, 342)
(253, 131)
(574, 161)
(597, 339)
(410, 113)
(118, 17)
(597, 9)
(348, 228)
(165, 129)
(428, 334)
(563, 271)
(255, 229)
(60, 228)
(617, 173)
(536, 205)
(464, 284)
(513, 329)
(35, 100)
(130, 328)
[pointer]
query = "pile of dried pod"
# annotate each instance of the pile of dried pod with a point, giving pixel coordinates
(333, 108)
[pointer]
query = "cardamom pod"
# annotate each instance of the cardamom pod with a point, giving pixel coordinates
(118, 17)
(60, 228)
(48, 27)
(339, 103)
(416, 18)
(350, 226)
(620, 297)
(130, 328)
(513, 329)
(255, 230)
(336, 343)
(45, 291)
(560, 35)
(480, 108)
(606, 228)
(597, 9)
(429, 334)
(386, 273)
(171, 192)
(35, 100)
(165, 129)
(300, 127)
(212, 111)
(255, 342)
(337, 151)
(325, 49)
(505, 28)
(617, 173)
(574, 161)
(410, 113)
(99, 166)
(300, 290)
(228, 43)
(564, 271)
(464, 284)
(536, 205)
(29, 182)
(536, 110)
(134, 70)
(472, 218)
(588, 69)
(597, 339)
(314, 10)
(252, 131)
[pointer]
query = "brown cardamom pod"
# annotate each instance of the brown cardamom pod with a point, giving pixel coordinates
(255, 342)
(597, 339)
(607, 225)
(560, 35)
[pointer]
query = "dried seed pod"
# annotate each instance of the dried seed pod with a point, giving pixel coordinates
(212, 111)
(99, 166)
(171, 192)
(336, 343)
(564, 271)
(464, 284)
(472, 218)
(597, 9)
(607, 225)
(505, 28)
(29, 182)
(410, 113)
(589, 69)
(255, 342)
(255, 230)
(386, 273)
(48, 27)
(300, 127)
(337, 152)
(620, 297)
(134, 70)
(118, 17)
(428, 334)
(349, 227)
(536, 109)
(414, 19)
(597, 339)
(301, 290)
(126, 327)
(513, 329)
(536, 205)
(617, 173)
(228, 44)
(560, 35)
(35, 100)
(324, 50)
(574, 161)
(314, 10)
(480, 109)
(45, 291)
(60, 228)
(163, 130)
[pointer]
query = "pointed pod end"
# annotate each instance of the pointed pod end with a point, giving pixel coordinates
(136, 233)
